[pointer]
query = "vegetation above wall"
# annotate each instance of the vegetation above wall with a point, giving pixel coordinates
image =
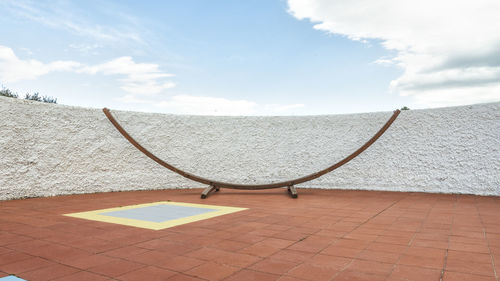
(35, 96)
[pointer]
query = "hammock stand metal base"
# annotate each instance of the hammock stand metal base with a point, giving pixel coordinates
(212, 188)
(209, 189)
(216, 185)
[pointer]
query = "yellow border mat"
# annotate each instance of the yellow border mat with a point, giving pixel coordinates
(96, 215)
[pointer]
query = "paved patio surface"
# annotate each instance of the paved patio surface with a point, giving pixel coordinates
(322, 235)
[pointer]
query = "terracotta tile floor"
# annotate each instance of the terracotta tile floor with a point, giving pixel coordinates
(322, 235)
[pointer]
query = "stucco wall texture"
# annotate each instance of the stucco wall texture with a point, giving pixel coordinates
(48, 149)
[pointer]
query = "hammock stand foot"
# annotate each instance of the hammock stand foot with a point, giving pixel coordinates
(292, 191)
(207, 190)
(212, 188)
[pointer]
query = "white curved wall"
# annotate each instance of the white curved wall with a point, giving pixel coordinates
(51, 149)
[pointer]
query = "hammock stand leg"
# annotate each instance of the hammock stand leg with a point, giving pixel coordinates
(292, 191)
(289, 184)
(207, 190)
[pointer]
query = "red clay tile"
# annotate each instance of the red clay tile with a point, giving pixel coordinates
(180, 263)
(394, 240)
(362, 236)
(202, 241)
(25, 265)
(95, 245)
(291, 255)
(309, 271)
(154, 244)
(12, 256)
(212, 271)
(177, 248)
(250, 275)
(229, 245)
(206, 254)
(425, 252)
(115, 268)
(377, 268)
(455, 276)
(467, 232)
(28, 246)
(4, 250)
(338, 263)
(275, 243)
(331, 233)
(237, 259)
(48, 273)
(351, 243)
(468, 240)
(150, 273)
(430, 243)
(379, 256)
(9, 238)
(305, 230)
(385, 247)
(259, 250)
(149, 257)
(357, 276)
(404, 272)
(427, 262)
(310, 245)
(274, 266)
(469, 267)
(468, 256)
(247, 238)
(125, 252)
(494, 242)
(183, 277)
(341, 251)
(60, 253)
(83, 276)
(89, 261)
(476, 248)
(432, 236)
(289, 278)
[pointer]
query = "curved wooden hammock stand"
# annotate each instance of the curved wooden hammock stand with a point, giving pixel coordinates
(216, 185)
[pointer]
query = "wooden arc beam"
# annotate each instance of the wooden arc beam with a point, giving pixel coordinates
(218, 184)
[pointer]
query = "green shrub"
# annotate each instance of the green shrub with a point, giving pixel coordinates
(405, 108)
(7, 93)
(48, 99)
(37, 97)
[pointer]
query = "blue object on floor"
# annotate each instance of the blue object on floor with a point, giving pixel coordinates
(159, 213)
(11, 278)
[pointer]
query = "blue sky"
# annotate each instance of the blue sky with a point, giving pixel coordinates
(227, 57)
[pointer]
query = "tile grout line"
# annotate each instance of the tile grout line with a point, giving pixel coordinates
(487, 240)
(449, 241)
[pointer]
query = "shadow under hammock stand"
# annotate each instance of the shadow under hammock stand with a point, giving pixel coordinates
(216, 185)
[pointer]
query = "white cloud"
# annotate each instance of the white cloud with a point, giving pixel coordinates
(86, 48)
(449, 50)
(13, 69)
(204, 105)
(143, 82)
(200, 105)
(140, 78)
(65, 16)
(135, 78)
